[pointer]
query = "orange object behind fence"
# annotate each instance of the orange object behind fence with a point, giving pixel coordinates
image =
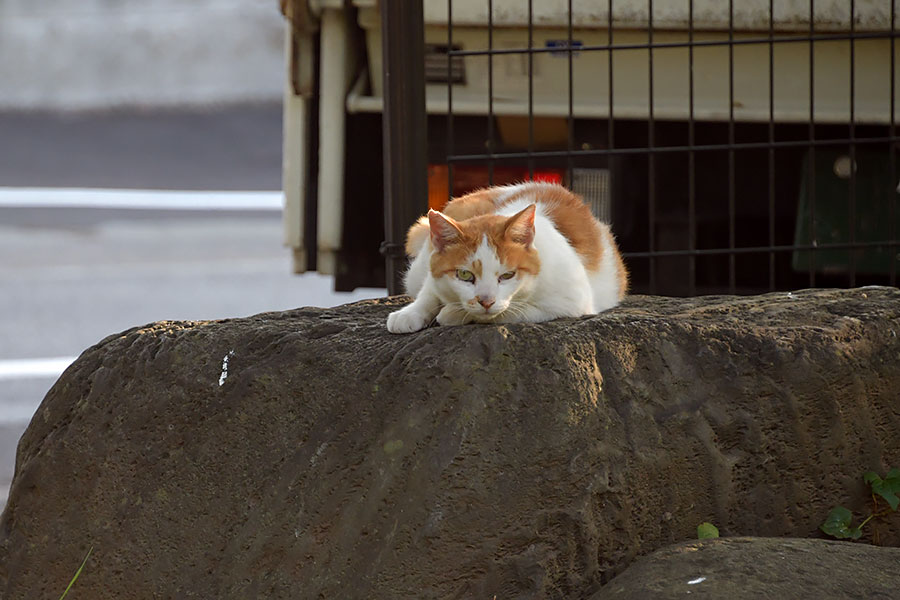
(468, 179)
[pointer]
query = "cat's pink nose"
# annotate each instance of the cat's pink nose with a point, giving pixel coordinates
(485, 301)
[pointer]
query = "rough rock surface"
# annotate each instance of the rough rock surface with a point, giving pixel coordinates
(310, 454)
(752, 568)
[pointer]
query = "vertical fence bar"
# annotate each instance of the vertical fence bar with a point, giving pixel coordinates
(771, 145)
(892, 188)
(570, 132)
(732, 283)
(490, 57)
(405, 165)
(852, 186)
(610, 129)
(530, 89)
(651, 158)
(692, 209)
(811, 151)
(449, 93)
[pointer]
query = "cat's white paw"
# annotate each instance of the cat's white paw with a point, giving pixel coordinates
(406, 321)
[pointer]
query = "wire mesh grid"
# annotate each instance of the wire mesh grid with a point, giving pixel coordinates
(801, 192)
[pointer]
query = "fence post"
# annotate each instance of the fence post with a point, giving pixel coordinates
(403, 126)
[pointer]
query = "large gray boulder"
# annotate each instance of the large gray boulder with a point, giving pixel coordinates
(311, 454)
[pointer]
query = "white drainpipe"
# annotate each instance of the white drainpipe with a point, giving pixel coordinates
(295, 145)
(335, 71)
(299, 51)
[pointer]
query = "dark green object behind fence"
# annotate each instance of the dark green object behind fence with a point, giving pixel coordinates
(873, 195)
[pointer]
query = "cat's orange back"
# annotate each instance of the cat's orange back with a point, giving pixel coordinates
(570, 215)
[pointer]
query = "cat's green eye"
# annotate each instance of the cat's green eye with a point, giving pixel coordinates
(507, 275)
(465, 275)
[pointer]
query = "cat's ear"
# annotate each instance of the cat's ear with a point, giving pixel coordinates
(444, 230)
(520, 226)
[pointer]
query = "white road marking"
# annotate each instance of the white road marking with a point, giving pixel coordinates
(34, 368)
(139, 199)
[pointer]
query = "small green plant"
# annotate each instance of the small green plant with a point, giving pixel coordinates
(887, 488)
(839, 521)
(77, 573)
(707, 531)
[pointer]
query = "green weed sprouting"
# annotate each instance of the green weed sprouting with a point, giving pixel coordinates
(77, 573)
(838, 523)
(707, 531)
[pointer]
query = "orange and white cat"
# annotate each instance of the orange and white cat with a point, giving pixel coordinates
(526, 252)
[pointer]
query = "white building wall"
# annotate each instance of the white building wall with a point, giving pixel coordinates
(91, 54)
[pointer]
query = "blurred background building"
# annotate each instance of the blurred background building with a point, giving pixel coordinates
(736, 146)
(93, 54)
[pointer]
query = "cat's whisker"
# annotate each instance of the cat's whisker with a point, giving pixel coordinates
(516, 309)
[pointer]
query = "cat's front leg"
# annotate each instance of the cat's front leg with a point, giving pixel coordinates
(527, 313)
(451, 315)
(417, 315)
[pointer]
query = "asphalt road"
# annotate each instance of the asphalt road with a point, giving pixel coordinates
(71, 276)
(231, 148)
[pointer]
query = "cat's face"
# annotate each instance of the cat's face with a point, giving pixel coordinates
(482, 265)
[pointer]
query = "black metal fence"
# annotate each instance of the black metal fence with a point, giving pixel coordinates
(708, 200)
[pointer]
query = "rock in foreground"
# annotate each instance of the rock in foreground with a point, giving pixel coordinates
(754, 568)
(310, 454)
